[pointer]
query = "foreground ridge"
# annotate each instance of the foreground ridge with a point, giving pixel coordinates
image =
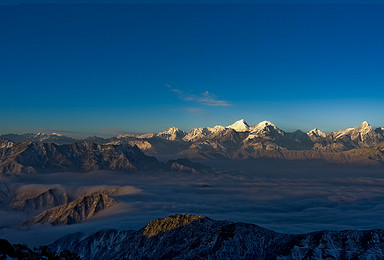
(193, 236)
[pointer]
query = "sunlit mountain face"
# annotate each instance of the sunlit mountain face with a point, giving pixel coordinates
(186, 130)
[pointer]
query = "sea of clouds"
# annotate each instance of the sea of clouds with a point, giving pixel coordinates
(284, 197)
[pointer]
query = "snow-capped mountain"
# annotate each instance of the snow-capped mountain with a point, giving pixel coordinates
(238, 140)
(198, 133)
(239, 126)
(172, 134)
(316, 133)
(265, 129)
(360, 133)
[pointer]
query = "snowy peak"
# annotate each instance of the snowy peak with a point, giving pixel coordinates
(172, 134)
(361, 133)
(263, 126)
(316, 133)
(364, 127)
(239, 126)
(197, 133)
(217, 128)
(265, 129)
(171, 131)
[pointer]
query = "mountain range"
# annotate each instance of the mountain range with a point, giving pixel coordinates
(198, 237)
(30, 157)
(186, 236)
(359, 145)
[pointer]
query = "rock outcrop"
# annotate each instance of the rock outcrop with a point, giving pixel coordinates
(75, 212)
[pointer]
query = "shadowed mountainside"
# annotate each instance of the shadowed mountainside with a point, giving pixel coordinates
(193, 237)
(18, 251)
(28, 157)
(48, 199)
(75, 212)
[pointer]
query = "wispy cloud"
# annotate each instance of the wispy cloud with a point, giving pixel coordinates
(178, 91)
(205, 98)
(196, 111)
(210, 100)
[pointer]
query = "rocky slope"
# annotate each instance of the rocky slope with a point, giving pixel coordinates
(48, 199)
(18, 251)
(197, 237)
(4, 143)
(28, 157)
(77, 211)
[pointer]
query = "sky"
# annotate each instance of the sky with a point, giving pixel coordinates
(118, 67)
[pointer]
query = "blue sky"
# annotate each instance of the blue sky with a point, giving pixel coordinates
(114, 68)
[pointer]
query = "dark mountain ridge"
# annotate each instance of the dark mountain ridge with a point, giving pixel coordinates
(198, 237)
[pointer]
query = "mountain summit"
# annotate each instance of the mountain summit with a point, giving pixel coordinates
(316, 133)
(194, 236)
(239, 126)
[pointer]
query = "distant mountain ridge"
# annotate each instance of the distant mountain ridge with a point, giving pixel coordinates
(241, 141)
(29, 157)
(39, 138)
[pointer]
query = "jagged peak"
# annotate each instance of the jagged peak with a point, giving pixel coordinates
(364, 124)
(239, 125)
(266, 123)
(262, 125)
(317, 133)
(161, 225)
(172, 130)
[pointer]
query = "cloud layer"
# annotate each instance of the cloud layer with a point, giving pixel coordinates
(286, 198)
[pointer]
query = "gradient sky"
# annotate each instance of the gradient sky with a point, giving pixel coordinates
(107, 69)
